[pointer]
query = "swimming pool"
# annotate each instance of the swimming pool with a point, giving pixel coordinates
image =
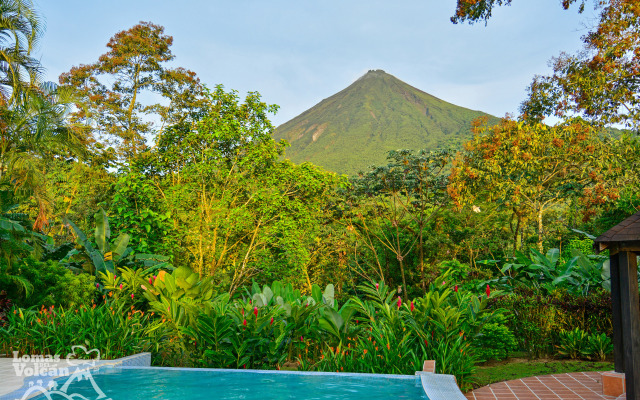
(133, 383)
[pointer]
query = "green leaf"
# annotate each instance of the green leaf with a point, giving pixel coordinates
(328, 296)
(120, 246)
(102, 231)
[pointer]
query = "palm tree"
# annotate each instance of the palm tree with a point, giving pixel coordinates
(33, 116)
(20, 29)
(35, 131)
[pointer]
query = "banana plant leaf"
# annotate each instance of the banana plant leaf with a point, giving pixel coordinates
(102, 232)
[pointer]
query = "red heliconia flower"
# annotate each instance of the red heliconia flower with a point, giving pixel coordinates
(271, 322)
(488, 290)
(377, 286)
(399, 301)
(255, 311)
(412, 307)
(121, 286)
(455, 288)
(150, 281)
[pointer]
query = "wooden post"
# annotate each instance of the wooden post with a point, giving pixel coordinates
(628, 268)
(618, 344)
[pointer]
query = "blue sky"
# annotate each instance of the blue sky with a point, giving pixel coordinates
(296, 53)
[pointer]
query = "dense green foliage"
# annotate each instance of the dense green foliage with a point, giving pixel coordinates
(49, 283)
(538, 320)
(185, 322)
(209, 248)
(115, 330)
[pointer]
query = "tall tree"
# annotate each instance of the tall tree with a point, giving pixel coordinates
(33, 124)
(111, 89)
(396, 203)
(602, 82)
(34, 131)
(530, 168)
(235, 209)
(480, 10)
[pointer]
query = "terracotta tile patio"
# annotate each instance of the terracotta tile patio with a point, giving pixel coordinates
(573, 386)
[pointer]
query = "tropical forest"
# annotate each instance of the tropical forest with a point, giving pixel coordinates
(145, 210)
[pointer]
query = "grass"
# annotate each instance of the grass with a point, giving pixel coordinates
(516, 368)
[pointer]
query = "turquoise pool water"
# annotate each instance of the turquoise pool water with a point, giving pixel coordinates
(194, 384)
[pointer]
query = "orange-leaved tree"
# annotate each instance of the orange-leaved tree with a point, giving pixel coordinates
(602, 82)
(480, 10)
(529, 168)
(111, 89)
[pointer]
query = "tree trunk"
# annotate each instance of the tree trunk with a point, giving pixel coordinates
(540, 247)
(515, 234)
(421, 261)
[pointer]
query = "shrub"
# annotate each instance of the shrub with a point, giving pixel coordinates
(395, 336)
(538, 320)
(52, 284)
(114, 330)
(5, 306)
(573, 344)
(599, 346)
(578, 344)
(494, 342)
(188, 325)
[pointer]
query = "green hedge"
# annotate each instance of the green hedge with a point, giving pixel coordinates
(538, 321)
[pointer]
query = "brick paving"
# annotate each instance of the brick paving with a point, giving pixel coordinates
(572, 386)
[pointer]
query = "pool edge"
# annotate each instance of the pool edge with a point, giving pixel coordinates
(134, 360)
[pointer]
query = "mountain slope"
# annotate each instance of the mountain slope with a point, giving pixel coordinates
(358, 126)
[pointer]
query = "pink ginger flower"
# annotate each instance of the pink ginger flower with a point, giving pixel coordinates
(488, 290)
(255, 311)
(377, 286)
(412, 307)
(399, 301)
